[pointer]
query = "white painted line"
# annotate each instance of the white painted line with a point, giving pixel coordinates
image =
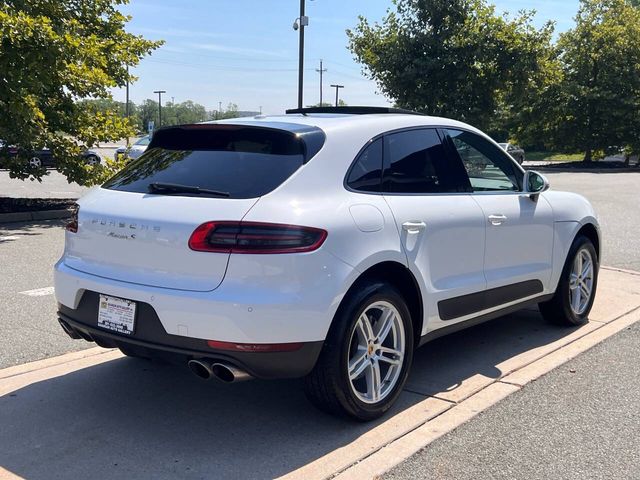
(9, 237)
(38, 292)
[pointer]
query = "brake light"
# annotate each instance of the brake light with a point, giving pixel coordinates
(254, 237)
(72, 225)
(254, 347)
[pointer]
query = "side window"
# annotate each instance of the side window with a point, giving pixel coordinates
(416, 162)
(366, 173)
(488, 168)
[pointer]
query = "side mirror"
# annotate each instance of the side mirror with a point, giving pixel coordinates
(535, 183)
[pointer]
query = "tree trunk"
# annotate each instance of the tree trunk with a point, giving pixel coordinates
(588, 156)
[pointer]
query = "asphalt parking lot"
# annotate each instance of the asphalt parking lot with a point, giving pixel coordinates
(28, 252)
(206, 430)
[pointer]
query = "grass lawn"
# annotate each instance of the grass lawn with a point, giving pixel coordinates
(553, 157)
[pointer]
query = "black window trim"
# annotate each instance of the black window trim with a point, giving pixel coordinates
(447, 144)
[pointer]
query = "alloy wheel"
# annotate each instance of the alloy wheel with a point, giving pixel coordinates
(581, 282)
(376, 352)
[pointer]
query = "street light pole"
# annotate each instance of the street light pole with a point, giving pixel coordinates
(159, 92)
(303, 21)
(337, 87)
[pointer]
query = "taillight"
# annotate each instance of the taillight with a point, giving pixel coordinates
(253, 237)
(72, 225)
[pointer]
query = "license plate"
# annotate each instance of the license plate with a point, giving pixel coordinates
(117, 314)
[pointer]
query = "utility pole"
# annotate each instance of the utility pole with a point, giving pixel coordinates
(260, 109)
(301, 22)
(321, 71)
(219, 109)
(126, 108)
(173, 100)
(337, 87)
(159, 92)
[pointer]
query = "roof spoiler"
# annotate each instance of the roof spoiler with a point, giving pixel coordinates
(349, 110)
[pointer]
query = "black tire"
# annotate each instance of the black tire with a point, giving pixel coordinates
(93, 160)
(328, 386)
(558, 310)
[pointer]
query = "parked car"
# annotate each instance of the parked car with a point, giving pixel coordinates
(515, 151)
(327, 243)
(134, 151)
(44, 157)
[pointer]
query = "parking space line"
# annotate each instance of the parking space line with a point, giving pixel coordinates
(38, 292)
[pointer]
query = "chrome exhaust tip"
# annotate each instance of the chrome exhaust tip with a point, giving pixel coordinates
(201, 368)
(228, 373)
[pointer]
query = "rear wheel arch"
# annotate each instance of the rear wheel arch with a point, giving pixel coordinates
(400, 277)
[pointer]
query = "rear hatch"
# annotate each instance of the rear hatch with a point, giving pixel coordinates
(136, 227)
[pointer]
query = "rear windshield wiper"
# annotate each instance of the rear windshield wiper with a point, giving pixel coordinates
(177, 188)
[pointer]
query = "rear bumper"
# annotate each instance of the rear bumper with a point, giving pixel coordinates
(277, 299)
(151, 339)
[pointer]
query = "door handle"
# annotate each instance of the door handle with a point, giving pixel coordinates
(497, 219)
(414, 227)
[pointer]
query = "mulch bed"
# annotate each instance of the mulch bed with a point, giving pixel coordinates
(15, 205)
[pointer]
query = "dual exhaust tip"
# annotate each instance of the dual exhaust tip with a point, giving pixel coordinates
(224, 372)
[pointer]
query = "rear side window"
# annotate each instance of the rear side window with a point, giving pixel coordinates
(416, 162)
(239, 161)
(366, 172)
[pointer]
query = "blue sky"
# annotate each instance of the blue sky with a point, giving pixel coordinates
(246, 51)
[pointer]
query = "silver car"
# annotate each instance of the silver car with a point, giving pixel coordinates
(135, 150)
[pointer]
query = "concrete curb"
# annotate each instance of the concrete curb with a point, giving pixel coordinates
(37, 215)
(585, 170)
(394, 453)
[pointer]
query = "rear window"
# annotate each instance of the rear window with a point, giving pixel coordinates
(240, 161)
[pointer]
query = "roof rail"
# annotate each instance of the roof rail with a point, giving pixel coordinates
(349, 110)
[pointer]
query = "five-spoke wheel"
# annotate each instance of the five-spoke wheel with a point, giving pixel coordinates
(576, 289)
(367, 355)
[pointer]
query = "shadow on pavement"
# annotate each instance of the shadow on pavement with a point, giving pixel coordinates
(29, 228)
(131, 418)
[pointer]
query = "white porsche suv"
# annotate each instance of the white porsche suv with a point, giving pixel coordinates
(325, 243)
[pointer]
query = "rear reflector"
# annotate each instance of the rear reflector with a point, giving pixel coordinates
(253, 237)
(255, 347)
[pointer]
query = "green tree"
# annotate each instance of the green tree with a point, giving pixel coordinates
(54, 53)
(454, 58)
(230, 112)
(595, 105)
(147, 112)
(185, 112)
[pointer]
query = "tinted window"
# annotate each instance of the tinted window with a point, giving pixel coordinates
(417, 163)
(488, 167)
(366, 172)
(246, 162)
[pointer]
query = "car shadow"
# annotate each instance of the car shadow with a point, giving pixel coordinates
(443, 365)
(132, 418)
(28, 228)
